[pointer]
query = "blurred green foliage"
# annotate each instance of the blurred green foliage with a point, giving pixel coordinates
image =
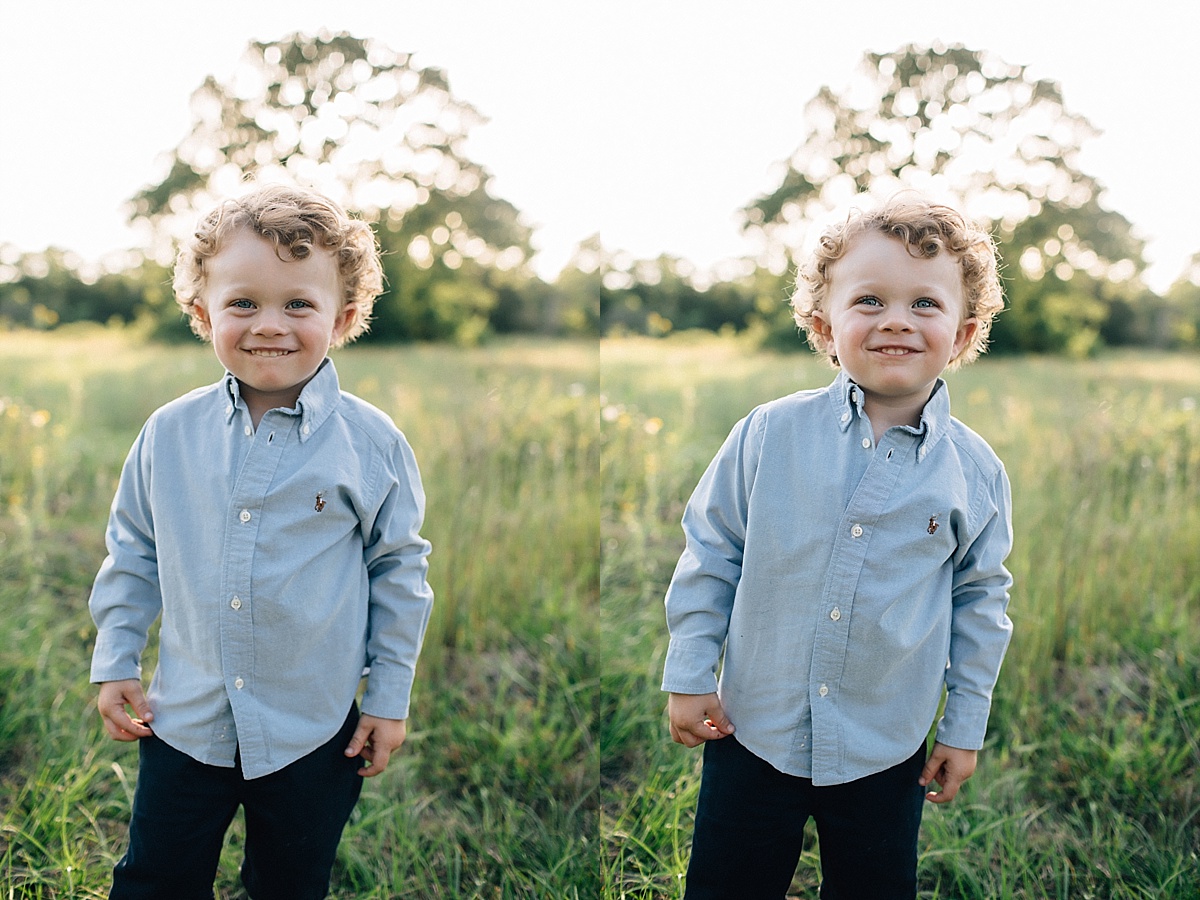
(385, 137)
(364, 125)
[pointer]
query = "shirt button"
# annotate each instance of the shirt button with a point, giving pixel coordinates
(845, 418)
(857, 531)
(304, 429)
(249, 431)
(866, 443)
(245, 515)
(823, 691)
(836, 614)
(236, 602)
(239, 684)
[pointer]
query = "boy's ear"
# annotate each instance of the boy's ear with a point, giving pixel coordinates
(820, 326)
(200, 312)
(343, 320)
(966, 334)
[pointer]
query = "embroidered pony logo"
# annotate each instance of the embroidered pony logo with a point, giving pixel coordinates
(320, 507)
(933, 524)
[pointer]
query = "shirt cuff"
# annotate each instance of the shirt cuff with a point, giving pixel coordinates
(112, 662)
(388, 691)
(691, 667)
(963, 725)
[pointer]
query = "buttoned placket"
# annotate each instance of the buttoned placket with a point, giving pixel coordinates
(846, 564)
(254, 479)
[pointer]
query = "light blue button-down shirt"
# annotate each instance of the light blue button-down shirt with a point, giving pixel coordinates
(847, 581)
(282, 560)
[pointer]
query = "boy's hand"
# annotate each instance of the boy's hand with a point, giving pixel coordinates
(949, 767)
(696, 718)
(114, 697)
(376, 739)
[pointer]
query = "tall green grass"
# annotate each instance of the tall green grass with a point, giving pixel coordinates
(1089, 786)
(494, 794)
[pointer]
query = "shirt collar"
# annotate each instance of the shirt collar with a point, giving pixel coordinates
(316, 402)
(847, 399)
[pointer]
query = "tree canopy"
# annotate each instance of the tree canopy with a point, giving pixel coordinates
(388, 139)
(967, 128)
(380, 134)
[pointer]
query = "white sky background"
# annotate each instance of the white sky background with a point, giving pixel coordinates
(649, 121)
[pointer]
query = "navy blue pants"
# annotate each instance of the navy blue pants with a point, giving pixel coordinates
(182, 809)
(750, 824)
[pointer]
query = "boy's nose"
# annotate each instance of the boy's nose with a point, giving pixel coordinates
(269, 322)
(895, 321)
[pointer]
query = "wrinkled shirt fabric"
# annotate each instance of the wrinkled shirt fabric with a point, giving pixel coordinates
(851, 584)
(284, 562)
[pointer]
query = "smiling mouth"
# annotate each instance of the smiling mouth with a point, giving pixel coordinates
(894, 351)
(269, 354)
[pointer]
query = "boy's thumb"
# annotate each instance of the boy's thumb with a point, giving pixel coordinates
(721, 722)
(142, 705)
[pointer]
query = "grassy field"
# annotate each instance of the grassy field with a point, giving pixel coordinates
(1089, 786)
(495, 793)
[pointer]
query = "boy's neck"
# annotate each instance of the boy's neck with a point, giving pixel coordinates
(884, 415)
(259, 403)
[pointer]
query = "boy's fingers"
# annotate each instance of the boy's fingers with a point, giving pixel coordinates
(358, 740)
(947, 793)
(122, 732)
(718, 722)
(950, 768)
(376, 762)
(120, 725)
(685, 737)
(132, 695)
(116, 732)
(696, 718)
(929, 773)
(697, 734)
(950, 782)
(140, 720)
(142, 708)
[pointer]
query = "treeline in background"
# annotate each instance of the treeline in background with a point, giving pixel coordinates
(386, 138)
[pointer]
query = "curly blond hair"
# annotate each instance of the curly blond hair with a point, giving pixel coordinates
(927, 229)
(294, 220)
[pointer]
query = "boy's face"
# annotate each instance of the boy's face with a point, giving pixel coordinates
(272, 320)
(894, 320)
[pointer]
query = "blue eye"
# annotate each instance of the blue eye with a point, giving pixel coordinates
(297, 304)
(242, 304)
(925, 303)
(870, 300)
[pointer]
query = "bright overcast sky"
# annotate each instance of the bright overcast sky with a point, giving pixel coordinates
(651, 122)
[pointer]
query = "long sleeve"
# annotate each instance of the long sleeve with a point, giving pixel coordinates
(980, 628)
(400, 597)
(700, 598)
(126, 598)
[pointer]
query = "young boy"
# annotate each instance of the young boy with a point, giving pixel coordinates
(844, 544)
(272, 520)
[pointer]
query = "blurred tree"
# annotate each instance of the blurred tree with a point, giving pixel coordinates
(46, 289)
(967, 128)
(383, 136)
(654, 296)
(1183, 305)
(599, 277)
